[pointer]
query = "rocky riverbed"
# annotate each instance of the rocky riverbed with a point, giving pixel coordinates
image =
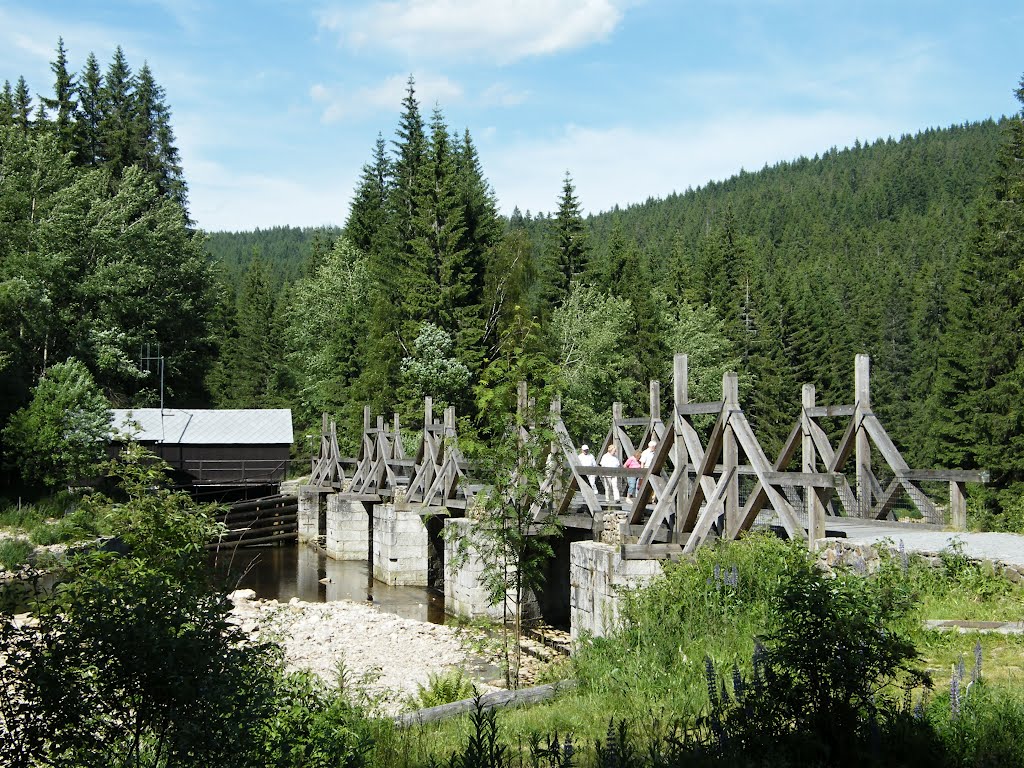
(384, 657)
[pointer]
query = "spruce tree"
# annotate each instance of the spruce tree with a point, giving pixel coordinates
(88, 144)
(980, 379)
(367, 225)
(6, 105)
(22, 104)
(118, 115)
(63, 105)
(152, 137)
(567, 248)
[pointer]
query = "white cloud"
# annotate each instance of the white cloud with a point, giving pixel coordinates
(225, 200)
(502, 95)
(338, 103)
(626, 165)
(504, 31)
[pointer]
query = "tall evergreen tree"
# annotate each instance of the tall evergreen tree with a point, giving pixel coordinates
(6, 105)
(367, 225)
(22, 106)
(88, 143)
(153, 138)
(63, 105)
(118, 115)
(568, 250)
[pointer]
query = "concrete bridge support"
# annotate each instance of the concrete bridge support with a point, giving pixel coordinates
(465, 593)
(312, 514)
(597, 577)
(348, 529)
(400, 545)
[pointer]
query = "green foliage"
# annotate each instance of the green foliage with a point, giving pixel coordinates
(313, 727)
(133, 661)
(432, 371)
(14, 552)
(483, 749)
(60, 437)
(988, 728)
(443, 688)
(589, 338)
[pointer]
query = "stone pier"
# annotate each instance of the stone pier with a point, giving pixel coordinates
(597, 577)
(309, 514)
(465, 594)
(348, 529)
(400, 545)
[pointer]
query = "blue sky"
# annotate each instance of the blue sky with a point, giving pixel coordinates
(276, 105)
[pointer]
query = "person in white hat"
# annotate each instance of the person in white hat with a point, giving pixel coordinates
(587, 459)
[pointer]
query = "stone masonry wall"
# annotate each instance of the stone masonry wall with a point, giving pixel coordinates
(597, 577)
(464, 591)
(399, 545)
(348, 526)
(309, 510)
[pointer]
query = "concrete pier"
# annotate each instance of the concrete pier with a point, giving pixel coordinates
(400, 545)
(309, 514)
(597, 577)
(348, 529)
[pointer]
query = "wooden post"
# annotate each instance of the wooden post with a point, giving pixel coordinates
(428, 412)
(815, 510)
(655, 401)
(957, 506)
(366, 419)
(862, 395)
(680, 396)
(730, 457)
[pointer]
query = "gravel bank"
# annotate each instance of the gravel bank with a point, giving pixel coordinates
(386, 656)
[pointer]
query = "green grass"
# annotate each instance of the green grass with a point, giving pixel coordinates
(54, 520)
(653, 669)
(14, 552)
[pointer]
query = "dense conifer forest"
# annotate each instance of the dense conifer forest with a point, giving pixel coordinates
(906, 248)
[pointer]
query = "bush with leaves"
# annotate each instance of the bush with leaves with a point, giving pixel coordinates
(132, 661)
(829, 681)
(60, 437)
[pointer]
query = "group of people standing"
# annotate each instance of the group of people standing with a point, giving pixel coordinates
(638, 460)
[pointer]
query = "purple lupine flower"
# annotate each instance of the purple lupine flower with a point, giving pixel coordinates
(976, 672)
(919, 709)
(738, 687)
(904, 557)
(567, 749)
(711, 679)
(734, 576)
(961, 671)
(954, 695)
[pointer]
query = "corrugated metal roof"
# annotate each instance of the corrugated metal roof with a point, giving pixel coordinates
(267, 426)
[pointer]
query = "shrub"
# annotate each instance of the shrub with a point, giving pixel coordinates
(14, 552)
(444, 688)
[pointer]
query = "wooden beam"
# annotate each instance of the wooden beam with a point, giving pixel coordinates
(649, 551)
(831, 411)
(949, 475)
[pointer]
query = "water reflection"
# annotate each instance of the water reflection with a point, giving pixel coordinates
(282, 573)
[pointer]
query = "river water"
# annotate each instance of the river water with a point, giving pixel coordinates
(281, 573)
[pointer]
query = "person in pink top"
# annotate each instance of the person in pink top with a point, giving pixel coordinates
(633, 462)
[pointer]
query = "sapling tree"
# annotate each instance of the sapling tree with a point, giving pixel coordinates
(514, 523)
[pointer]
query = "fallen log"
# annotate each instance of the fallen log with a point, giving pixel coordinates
(491, 700)
(280, 537)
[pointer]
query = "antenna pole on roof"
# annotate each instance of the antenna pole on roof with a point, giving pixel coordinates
(144, 362)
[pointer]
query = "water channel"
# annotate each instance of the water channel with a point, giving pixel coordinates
(281, 573)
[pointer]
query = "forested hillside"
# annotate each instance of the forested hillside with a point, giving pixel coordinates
(907, 249)
(287, 251)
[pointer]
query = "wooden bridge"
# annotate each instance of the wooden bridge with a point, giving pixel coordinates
(709, 476)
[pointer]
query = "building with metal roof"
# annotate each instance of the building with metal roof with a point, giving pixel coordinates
(225, 447)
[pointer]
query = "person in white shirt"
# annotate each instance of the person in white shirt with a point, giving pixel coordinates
(610, 459)
(648, 454)
(587, 459)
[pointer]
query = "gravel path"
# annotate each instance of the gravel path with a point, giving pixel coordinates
(1004, 547)
(384, 656)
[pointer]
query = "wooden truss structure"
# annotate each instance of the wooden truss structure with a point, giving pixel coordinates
(692, 488)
